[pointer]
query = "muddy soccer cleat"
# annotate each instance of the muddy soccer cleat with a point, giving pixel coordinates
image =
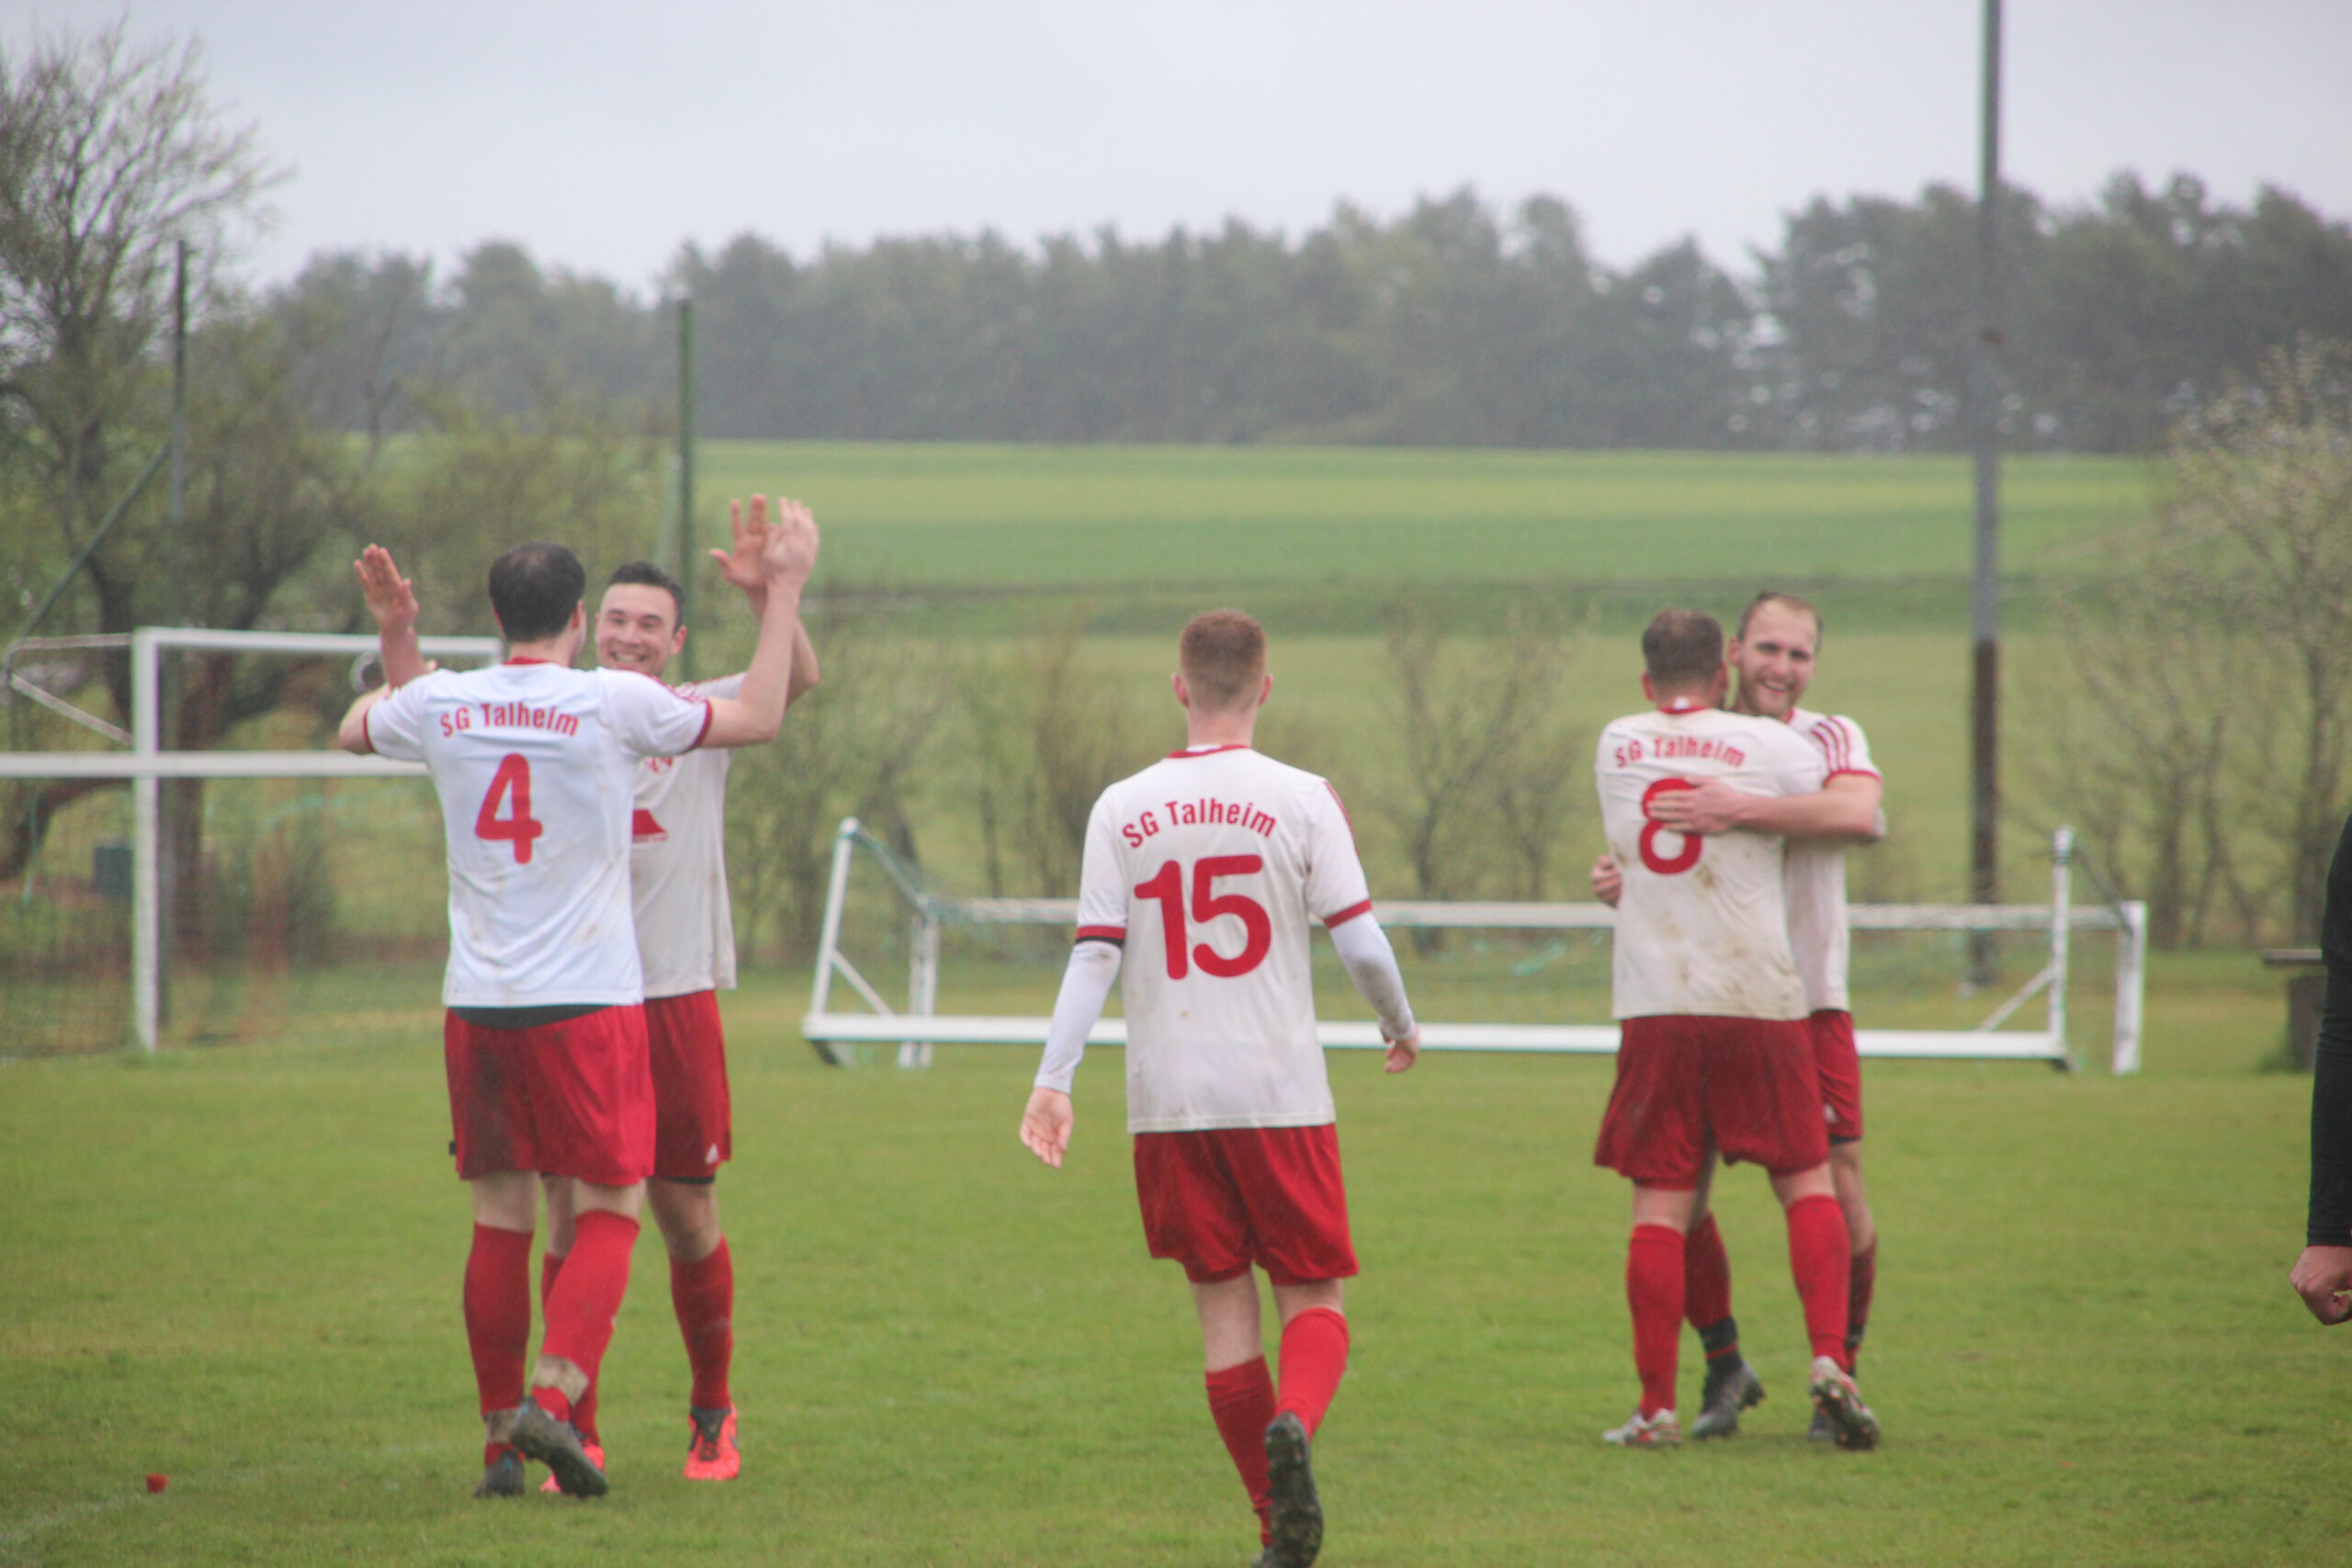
(557, 1445)
(595, 1453)
(502, 1477)
(1735, 1389)
(1659, 1431)
(1819, 1430)
(1839, 1402)
(1298, 1512)
(711, 1453)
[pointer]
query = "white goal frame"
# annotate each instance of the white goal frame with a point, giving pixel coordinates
(918, 1025)
(147, 763)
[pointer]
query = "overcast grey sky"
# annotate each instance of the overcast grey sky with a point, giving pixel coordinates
(604, 133)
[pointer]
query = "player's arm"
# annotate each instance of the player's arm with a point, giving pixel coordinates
(1045, 1121)
(391, 600)
(352, 733)
(787, 555)
(1846, 808)
(1608, 880)
(2322, 1275)
(741, 566)
(1371, 964)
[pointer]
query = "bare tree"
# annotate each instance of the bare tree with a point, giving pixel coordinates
(1488, 770)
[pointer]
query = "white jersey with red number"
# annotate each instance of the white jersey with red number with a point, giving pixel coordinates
(1814, 876)
(534, 765)
(1702, 924)
(677, 865)
(1208, 865)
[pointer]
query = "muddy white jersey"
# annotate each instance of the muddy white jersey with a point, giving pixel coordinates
(1207, 865)
(534, 765)
(1814, 873)
(1702, 923)
(677, 865)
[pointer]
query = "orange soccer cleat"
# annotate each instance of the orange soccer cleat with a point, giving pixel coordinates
(711, 1453)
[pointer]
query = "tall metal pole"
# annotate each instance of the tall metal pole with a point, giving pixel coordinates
(685, 565)
(178, 551)
(1984, 600)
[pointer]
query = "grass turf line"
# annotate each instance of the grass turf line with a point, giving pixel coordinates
(2083, 1349)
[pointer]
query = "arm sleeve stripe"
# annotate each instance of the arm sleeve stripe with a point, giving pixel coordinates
(1113, 934)
(709, 712)
(365, 719)
(1344, 916)
(1851, 773)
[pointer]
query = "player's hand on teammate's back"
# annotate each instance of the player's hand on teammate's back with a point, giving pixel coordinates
(1045, 1125)
(2323, 1277)
(1709, 805)
(391, 598)
(1403, 1053)
(1608, 880)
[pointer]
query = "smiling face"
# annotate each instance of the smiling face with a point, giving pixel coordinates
(637, 628)
(1774, 658)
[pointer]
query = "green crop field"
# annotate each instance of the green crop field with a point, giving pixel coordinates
(1286, 520)
(238, 1268)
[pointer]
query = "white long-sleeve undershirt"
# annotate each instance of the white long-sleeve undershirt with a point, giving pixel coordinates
(1087, 980)
(1094, 969)
(1371, 962)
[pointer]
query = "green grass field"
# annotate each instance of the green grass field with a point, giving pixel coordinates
(238, 1268)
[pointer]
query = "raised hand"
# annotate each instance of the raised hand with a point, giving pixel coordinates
(1045, 1125)
(740, 565)
(788, 551)
(391, 598)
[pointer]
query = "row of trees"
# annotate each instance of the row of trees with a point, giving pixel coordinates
(1454, 325)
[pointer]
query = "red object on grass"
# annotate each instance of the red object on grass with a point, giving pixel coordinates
(157, 1482)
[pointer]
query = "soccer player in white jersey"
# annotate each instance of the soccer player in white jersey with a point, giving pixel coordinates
(1774, 657)
(1210, 864)
(685, 939)
(1715, 1055)
(545, 1040)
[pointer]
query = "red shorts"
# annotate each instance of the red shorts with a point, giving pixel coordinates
(692, 1128)
(570, 1098)
(1839, 1065)
(1220, 1200)
(1745, 1085)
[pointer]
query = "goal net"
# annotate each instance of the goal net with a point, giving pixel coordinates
(905, 964)
(234, 893)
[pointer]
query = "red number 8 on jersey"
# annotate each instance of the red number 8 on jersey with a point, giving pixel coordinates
(1692, 843)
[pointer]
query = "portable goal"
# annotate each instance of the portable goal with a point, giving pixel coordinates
(913, 921)
(135, 754)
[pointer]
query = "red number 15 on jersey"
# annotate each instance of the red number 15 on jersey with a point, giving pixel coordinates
(1167, 886)
(510, 785)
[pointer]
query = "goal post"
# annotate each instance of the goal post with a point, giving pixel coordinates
(924, 914)
(146, 763)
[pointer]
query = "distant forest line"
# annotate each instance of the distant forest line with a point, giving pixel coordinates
(1456, 325)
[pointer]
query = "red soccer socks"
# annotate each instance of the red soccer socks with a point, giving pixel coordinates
(1241, 1399)
(1861, 1281)
(704, 1294)
(1706, 1279)
(1313, 1358)
(584, 1301)
(1820, 1258)
(583, 1409)
(1654, 1290)
(498, 1313)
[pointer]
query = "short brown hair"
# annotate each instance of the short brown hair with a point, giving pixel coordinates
(1223, 656)
(1787, 601)
(1682, 647)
